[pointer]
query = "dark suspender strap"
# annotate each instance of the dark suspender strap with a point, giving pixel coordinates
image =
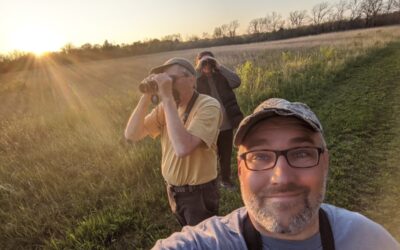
(325, 231)
(253, 238)
(190, 106)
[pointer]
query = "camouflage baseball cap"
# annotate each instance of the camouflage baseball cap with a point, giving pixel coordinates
(274, 107)
(176, 60)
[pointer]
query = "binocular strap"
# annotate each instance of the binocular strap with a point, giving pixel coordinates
(190, 106)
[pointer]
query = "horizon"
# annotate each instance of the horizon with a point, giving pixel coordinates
(47, 26)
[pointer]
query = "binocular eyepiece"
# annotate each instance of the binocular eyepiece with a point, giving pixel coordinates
(211, 62)
(148, 87)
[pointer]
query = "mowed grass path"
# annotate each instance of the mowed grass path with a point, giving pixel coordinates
(361, 113)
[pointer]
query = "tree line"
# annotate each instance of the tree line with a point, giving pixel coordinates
(323, 17)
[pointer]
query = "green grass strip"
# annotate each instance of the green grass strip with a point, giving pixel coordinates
(360, 110)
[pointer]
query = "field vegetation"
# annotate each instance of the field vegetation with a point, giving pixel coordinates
(68, 180)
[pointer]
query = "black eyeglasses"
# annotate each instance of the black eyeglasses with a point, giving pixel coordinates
(301, 157)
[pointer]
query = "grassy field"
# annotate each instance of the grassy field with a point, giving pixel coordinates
(69, 181)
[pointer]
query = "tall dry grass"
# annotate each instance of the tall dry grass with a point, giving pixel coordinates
(68, 179)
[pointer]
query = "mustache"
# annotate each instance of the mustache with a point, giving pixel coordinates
(290, 187)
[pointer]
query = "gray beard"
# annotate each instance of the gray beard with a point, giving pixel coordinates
(264, 212)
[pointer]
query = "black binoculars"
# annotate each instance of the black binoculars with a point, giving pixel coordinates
(211, 62)
(151, 87)
(148, 87)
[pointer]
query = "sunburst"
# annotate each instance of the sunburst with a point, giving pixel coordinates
(36, 39)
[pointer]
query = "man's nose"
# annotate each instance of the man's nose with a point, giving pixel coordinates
(282, 173)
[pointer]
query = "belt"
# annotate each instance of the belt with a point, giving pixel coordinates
(192, 188)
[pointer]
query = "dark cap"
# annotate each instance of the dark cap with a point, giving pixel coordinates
(176, 60)
(277, 107)
(204, 53)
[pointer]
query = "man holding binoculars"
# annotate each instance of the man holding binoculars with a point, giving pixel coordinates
(188, 125)
(218, 81)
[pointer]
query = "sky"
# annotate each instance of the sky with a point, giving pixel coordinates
(47, 25)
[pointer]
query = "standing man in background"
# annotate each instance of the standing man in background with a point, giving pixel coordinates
(218, 81)
(188, 125)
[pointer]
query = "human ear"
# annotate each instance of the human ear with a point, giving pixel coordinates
(325, 159)
(239, 161)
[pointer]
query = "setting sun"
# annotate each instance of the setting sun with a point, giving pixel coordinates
(36, 39)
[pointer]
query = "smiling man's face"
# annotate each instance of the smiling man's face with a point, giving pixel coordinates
(283, 199)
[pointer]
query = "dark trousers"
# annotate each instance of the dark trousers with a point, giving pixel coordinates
(193, 204)
(224, 143)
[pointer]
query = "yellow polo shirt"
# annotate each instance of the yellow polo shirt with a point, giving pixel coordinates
(200, 166)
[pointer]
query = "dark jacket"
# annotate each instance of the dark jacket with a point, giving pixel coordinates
(226, 95)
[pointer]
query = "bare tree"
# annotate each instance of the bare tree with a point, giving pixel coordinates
(205, 35)
(217, 32)
(68, 48)
(338, 11)
(320, 12)
(16, 54)
(397, 5)
(371, 8)
(265, 24)
(389, 6)
(274, 21)
(255, 26)
(297, 18)
(192, 38)
(86, 46)
(97, 46)
(354, 6)
(173, 37)
(224, 30)
(107, 45)
(232, 26)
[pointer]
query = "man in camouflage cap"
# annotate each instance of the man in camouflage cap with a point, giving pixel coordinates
(283, 166)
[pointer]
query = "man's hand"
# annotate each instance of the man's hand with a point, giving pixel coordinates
(164, 82)
(208, 58)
